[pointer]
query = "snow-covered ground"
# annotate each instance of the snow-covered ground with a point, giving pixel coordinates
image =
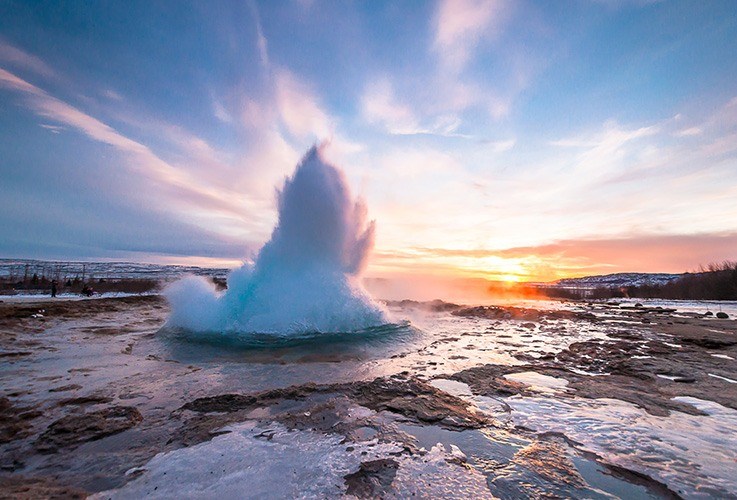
(35, 297)
(108, 270)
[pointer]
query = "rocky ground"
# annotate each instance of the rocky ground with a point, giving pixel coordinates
(684, 355)
(479, 401)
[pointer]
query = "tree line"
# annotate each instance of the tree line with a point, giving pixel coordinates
(717, 281)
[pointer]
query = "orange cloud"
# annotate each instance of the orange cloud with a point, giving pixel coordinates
(647, 253)
(566, 258)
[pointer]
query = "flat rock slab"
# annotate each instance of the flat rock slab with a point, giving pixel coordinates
(372, 479)
(73, 430)
(407, 396)
(15, 422)
(20, 487)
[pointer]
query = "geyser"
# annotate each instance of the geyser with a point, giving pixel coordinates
(305, 279)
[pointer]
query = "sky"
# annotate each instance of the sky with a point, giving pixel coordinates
(506, 140)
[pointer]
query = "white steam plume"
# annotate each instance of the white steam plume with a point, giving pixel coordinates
(306, 278)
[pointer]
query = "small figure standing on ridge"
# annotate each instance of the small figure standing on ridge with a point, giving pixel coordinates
(53, 288)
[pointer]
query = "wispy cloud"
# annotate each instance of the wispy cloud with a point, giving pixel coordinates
(300, 112)
(460, 30)
(501, 146)
(144, 161)
(460, 25)
(261, 42)
(688, 132)
(16, 57)
(298, 108)
(608, 140)
(620, 4)
(220, 112)
(111, 94)
(606, 152)
(379, 106)
(54, 129)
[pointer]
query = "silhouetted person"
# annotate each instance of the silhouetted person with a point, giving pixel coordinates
(53, 288)
(87, 290)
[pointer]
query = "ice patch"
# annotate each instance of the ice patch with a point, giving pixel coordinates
(694, 455)
(256, 462)
(723, 378)
(452, 387)
(538, 381)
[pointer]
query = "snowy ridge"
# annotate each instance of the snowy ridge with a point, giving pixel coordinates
(17, 268)
(618, 280)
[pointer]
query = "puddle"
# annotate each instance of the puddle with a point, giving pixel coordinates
(516, 467)
(539, 382)
(273, 462)
(687, 452)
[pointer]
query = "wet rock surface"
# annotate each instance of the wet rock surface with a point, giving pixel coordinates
(28, 488)
(73, 430)
(15, 422)
(637, 367)
(319, 407)
(409, 397)
(124, 393)
(520, 313)
(417, 401)
(372, 479)
(558, 475)
(433, 305)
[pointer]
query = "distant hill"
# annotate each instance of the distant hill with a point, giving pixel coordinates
(23, 269)
(618, 280)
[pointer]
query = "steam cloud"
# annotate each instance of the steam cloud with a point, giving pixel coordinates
(306, 278)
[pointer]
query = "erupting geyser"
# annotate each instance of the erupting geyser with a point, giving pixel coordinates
(306, 278)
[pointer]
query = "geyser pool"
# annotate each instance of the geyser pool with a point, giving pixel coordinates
(305, 279)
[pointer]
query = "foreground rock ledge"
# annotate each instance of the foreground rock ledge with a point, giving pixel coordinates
(409, 397)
